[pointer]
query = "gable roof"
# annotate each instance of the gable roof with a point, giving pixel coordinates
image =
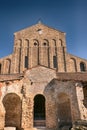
(39, 24)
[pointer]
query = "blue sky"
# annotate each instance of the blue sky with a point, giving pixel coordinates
(69, 16)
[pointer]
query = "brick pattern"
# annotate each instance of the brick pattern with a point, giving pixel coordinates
(41, 80)
(40, 47)
(62, 87)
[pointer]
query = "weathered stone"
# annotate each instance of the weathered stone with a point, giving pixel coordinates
(42, 87)
(10, 128)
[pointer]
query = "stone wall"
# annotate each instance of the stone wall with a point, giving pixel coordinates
(40, 45)
(63, 100)
(41, 67)
(73, 63)
(2, 115)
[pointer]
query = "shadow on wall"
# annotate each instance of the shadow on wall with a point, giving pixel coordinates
(85, 95)
(12, 104)
(61, 103)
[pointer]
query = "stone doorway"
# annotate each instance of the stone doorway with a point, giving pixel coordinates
(39, 110)
(12, 104)
(64, 110)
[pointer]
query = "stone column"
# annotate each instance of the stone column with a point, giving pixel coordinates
(80, 98)
(27, 113)
(51, 115)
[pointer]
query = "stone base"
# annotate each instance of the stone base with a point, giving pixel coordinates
(30, 129)
(9, 128)
(40, 128)
(80, 125)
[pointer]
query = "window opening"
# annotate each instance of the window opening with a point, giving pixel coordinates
(26, 61)
(55, 61)
(35, 44)
(82, 67)
(44, 43)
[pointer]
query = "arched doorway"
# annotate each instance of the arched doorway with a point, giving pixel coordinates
(39, 110)
(64, 110)
(12, 104)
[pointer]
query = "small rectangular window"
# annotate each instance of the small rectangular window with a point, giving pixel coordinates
(82, 66)
(26, 61)
(55, 61)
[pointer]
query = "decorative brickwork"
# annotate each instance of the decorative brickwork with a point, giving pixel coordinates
(41, 85)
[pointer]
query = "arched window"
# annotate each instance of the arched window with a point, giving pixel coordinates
(18, 43)
(8, 66)
(72, 65)
(26, 53)
(0, 68)
(60, 42)
(54, 42)
(26, 62)
(35, 52)
(26, 43)
(55, 61)
(45, 43)
(82, 66)
(36, 43)
(19, 53)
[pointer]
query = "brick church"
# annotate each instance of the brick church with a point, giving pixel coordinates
(42, 86)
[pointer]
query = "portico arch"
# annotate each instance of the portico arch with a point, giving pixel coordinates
(39, 110)
(64, 110)
(12, 104)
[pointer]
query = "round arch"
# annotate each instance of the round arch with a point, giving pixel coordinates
(82, 66)
(12, 104)
(73, 66)
(46, 43)
(39, 110)
(64, 110)
(26, 43)
(36, 43)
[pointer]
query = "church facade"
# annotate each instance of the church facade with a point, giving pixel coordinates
(41, 84)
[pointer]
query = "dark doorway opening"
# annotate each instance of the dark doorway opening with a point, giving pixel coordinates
(39, 110)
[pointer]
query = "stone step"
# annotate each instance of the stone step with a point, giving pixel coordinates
(65, 128)
(39, 123)
(9, 128)
(43, 128)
